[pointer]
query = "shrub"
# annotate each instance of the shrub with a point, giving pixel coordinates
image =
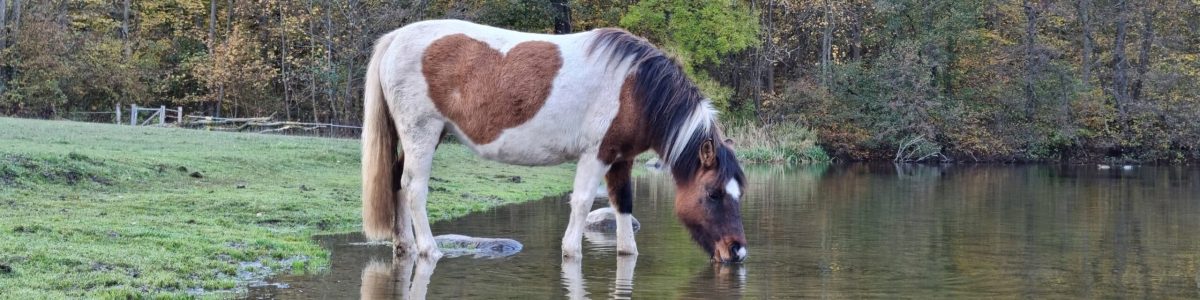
(775, 143)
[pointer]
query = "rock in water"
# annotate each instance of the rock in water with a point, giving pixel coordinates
(453, 245)
(654, 164)
(605, 220)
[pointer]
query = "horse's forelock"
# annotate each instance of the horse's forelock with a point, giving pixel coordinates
(687, 166)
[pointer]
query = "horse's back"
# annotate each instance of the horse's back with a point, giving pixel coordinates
(515, 97)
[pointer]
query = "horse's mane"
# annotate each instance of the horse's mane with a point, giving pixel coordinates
(677, 115)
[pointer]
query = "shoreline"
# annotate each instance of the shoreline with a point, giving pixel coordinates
(112, 211)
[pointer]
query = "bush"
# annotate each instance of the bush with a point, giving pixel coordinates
(775, 143)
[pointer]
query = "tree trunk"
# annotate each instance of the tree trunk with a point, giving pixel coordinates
(14, 28)
(328, 85)
(1030, 57)
(212, 44)
(229, 16)
(1085, 66)
(562, 16)
(1147, 40)
(856, 31)
(3, 44)
(1120, 75)
(827, 44)
(16, 21)
(212, 26)
(770, 77)
(229, 10)
(312, 79)
(283, 65)
(3, 23)
(125, 29)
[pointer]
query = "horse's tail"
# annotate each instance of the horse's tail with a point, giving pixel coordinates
(379, 142)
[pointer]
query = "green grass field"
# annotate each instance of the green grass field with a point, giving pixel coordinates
(96, 210)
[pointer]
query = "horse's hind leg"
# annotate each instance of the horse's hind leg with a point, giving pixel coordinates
(402, 231)
(419, 142)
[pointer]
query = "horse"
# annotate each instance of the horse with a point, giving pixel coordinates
(598, 98)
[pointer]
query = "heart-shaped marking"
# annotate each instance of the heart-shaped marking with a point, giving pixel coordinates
(483, 91)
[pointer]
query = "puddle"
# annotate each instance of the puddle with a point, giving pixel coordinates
(860, 231)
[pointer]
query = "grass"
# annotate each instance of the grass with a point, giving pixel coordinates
(104, 211)
(775, 143)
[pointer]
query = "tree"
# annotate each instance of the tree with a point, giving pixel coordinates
(562, 16)
(1120, 89)
(703, 29)
(1085, 63)
(1031, 57)
(3, 42)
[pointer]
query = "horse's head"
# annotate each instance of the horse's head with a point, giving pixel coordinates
(708, 202)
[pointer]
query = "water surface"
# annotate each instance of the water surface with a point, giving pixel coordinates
(858, 231)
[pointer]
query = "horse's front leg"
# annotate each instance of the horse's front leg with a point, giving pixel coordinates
(587, 176)
(620, 197)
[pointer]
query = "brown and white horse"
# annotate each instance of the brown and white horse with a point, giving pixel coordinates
(599, 98)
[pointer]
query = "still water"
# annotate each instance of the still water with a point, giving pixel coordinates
(857, 231)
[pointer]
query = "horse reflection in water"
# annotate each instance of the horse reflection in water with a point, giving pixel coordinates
(576, 285)
(406, 277)
(721, 281)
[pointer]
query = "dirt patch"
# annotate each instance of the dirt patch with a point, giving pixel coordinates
(75, 169)
(7, 177)
(30, 229)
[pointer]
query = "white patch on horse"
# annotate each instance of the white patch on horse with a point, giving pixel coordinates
(626, 245)
(588, 173)
(733, 189)
(701, 120)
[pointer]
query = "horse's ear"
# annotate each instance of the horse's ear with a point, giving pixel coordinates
(708, 154)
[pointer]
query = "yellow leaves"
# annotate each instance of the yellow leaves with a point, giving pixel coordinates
(235, 67)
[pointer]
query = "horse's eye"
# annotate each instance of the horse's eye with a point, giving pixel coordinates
(715, 195)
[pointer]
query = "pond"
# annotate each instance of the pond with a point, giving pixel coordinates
(850, 231)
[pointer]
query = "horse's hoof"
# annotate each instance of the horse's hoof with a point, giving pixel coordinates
(429, 251)
(401, 249)
(435, 254)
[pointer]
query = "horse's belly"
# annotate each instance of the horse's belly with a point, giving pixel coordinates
(526, 150)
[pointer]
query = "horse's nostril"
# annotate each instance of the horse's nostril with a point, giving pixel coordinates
(739, 252)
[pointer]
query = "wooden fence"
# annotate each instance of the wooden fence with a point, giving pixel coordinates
(160, 112)
(268, 125)
(161, 116)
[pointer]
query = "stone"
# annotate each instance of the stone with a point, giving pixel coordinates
(654, 164)
(605, 220)
(454, 245)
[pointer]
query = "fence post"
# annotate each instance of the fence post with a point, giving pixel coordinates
(133, 115)
(162, 115)
(179, 115)
(118, 119)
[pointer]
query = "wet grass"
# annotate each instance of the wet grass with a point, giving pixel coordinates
(95, 210)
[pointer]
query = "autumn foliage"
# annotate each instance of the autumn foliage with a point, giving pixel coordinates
(930, 80)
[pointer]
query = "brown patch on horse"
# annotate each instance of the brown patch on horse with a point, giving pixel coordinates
(483, 91)
(627, 135)
(689, 198)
